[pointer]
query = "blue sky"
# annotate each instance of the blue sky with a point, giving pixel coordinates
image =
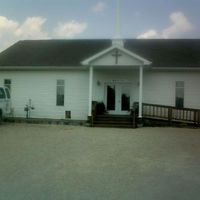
(47, 19)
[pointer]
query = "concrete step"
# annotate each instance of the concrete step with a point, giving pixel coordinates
(116, 119)
(111, 122)
(113, 125)
(114, 116)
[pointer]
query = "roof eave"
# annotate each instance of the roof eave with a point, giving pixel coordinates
(38, 68)
(176, 68)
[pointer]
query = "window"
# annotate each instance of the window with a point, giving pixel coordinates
(60, 96)
(7, 83)
(2, 93)
(179, 94)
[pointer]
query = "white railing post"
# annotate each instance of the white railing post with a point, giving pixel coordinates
(140, 91)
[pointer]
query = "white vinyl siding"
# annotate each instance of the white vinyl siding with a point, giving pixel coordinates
(40, 87)
(159, 88)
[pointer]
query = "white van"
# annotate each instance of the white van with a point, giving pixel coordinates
(5, 102)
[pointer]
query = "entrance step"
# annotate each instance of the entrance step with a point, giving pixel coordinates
(118, 121)
(113, 126)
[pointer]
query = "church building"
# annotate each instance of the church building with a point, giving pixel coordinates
(61, 78)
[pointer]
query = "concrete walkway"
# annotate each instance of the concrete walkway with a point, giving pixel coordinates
(43, 162)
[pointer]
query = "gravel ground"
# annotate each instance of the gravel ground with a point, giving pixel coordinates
(44, 162)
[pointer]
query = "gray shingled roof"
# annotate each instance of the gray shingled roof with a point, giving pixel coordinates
(162, 53)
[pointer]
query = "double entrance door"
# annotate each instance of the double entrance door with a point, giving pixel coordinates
(118, 98)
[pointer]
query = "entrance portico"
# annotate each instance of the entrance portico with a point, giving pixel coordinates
(119, 74)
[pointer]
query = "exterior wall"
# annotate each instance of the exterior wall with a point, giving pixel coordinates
(40, 87)
(159, 88)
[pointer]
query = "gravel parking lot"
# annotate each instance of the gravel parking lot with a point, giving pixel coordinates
(43, 162)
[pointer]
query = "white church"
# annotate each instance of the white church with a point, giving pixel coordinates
(62, 78)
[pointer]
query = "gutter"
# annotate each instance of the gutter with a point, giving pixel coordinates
(175, 68)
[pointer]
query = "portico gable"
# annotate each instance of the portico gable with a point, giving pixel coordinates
(116, 57)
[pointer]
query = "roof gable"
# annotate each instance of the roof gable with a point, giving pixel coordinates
(108, 57)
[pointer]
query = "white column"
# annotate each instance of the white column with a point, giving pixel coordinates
(141, 91)
(90, 90)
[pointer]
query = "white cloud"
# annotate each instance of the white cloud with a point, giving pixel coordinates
(70, 29)
(99, 7)
(7, 29)
(6, 24)
(32, 29)
(149, 34)
(12, 31)
(180, 25)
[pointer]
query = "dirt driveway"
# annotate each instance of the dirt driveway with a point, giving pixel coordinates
(42, 162)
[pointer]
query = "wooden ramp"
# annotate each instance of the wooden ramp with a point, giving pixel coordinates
(171, 114)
